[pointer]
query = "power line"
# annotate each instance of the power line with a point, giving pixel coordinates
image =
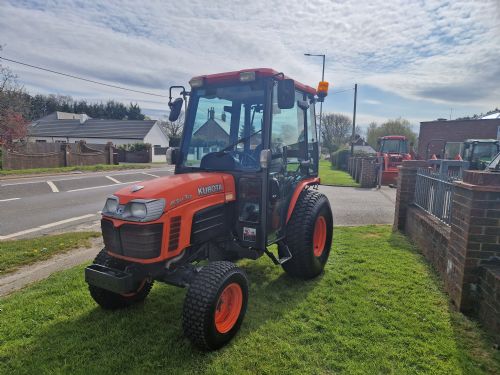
(338, 92)
(82, 79)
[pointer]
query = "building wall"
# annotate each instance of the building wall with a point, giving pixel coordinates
(102, 141)
(157, 137)
(454, 131)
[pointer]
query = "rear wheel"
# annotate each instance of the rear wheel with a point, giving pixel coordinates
(215, 305)
(110, 300)
(309, 235)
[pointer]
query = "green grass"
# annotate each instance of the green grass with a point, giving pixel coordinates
(83, 168)
(16, 253)
(377, 309)
(330, 176)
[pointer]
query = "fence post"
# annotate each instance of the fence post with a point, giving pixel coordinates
(406, 190)
(66, 150)
(475, 234)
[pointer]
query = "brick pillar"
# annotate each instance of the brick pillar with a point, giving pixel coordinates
(367, 178)
(406, 190)
(475, 234)
(66, 150)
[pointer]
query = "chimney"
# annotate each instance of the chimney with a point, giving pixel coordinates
(211, 113)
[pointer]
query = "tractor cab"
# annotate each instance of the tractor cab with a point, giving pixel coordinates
(260, 128)
(480, 152)
(393, 149)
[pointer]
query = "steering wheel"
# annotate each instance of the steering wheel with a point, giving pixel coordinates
(245, 159)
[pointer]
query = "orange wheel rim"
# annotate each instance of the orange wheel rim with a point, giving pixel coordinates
(228, 308)
(319, 237)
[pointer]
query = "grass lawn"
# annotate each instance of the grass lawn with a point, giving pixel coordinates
(377, 309)
(83, 168)
(330, 176)
(16, 253)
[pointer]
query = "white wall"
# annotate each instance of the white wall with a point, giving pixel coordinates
(157, 137)
(115, 141)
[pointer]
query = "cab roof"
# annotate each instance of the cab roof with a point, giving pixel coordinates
(259, 73)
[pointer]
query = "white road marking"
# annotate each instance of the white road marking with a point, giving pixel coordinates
(53, 187)
(113, 179)
(45, 226)
(24, 183)
(8, 200)
(150, 174)
(102, 186)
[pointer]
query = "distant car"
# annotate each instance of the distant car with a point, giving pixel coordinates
(494, 166)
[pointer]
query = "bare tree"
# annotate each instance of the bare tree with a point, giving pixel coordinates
(173, 130)
(336, 131)
(13, 108)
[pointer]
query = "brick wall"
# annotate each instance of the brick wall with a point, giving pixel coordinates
(454, 131)
(368, 175)
(467, 253)
(489, 293)
(431, 237)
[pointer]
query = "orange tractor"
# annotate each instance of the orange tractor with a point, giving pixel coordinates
(245, 179)
(393, 149)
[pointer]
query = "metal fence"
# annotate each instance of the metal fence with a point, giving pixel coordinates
(433, 192)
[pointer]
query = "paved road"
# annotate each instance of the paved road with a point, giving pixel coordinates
(356, 206)
(40, 205)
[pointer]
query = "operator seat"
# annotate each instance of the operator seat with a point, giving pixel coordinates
(223, 161)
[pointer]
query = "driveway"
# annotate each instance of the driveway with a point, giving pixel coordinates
(356, 206)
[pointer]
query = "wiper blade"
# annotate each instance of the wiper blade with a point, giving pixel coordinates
(239, 141)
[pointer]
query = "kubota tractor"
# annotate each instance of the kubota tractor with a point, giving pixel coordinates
(245, 179)
(393, 149)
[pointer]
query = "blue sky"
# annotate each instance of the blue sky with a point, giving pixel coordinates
(414, 59)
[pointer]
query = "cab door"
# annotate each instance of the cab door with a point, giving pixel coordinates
(289, 149)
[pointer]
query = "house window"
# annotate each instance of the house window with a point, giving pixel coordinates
(41, 141)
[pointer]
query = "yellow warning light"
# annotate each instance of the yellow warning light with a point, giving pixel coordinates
(322, 89)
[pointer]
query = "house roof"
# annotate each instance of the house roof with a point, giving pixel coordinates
(91, 128)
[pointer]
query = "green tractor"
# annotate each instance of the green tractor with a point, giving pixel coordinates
(478, 152)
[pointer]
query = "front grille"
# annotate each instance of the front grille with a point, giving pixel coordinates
(133, 240)
(175, 232)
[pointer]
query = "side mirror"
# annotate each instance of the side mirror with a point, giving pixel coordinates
(265, 158)
(173, 155)
(286, 93)
(175, 109)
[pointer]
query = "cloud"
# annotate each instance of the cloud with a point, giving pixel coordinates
(442, 51)
(372, 101)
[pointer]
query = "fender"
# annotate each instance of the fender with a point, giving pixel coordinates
(298, 189)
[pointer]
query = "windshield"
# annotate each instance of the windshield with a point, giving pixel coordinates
(484, 151)
(224, 128)
(394, 146)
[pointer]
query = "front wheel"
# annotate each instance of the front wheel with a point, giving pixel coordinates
(215, 305)
(110, 300)
(308, 236)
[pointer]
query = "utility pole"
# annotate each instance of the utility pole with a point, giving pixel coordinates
(321, 103)
(354, 118)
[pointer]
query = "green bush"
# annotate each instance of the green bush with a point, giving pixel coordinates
(339, 158)
(135, 147)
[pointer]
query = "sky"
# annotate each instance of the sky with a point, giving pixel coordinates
(419, 60)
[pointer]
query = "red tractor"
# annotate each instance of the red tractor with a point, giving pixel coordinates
(245, 178)
(393, 149)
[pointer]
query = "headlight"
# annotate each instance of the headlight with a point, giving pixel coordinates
(138, 210)
(111, 204)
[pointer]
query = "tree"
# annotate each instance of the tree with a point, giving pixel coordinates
(173, 130)
(397, 126)
(134, 112)
(13, 108)
(336, 131)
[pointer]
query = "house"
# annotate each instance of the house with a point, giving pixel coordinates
(70, 128)
(433, 134)
(203, 138)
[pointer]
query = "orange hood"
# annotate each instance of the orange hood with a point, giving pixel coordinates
(179, 188)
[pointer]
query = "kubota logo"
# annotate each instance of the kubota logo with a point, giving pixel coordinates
(210, 189)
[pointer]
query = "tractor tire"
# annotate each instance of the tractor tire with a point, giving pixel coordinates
(215, 305)
(308, 235)
(113, 301)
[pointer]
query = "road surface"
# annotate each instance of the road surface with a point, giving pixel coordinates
(36, 206)
(40, 205)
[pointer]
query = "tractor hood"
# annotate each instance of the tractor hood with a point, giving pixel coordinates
(180, 188)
